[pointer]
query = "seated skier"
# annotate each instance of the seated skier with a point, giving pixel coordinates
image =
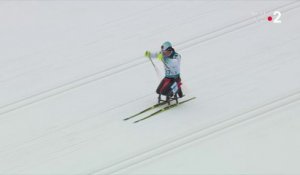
(171, 61)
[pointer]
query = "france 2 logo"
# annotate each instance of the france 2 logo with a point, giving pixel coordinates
(277, 16)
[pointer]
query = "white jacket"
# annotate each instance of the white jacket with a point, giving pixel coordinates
(171, 64)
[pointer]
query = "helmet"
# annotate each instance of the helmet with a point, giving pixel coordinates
(166, 45)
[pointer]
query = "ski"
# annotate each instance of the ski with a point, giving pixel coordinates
(164, 109)
(145, 110)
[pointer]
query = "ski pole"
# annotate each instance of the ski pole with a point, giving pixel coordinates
(156, 69)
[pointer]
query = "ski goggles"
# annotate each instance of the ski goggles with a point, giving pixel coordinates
(166, 49)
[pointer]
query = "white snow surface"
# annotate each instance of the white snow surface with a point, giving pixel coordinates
(71, 71)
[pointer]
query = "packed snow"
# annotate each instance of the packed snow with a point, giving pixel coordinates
(71, 71)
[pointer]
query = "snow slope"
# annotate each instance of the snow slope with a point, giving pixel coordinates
(70, 71)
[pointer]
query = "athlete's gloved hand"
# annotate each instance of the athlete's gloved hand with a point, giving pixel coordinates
(160, 56)
(148, 54)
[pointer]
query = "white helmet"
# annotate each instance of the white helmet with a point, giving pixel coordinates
(166, 45)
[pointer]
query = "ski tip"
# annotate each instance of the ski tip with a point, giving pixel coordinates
(188, 99)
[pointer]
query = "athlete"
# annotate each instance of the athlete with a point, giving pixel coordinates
(171, 60)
